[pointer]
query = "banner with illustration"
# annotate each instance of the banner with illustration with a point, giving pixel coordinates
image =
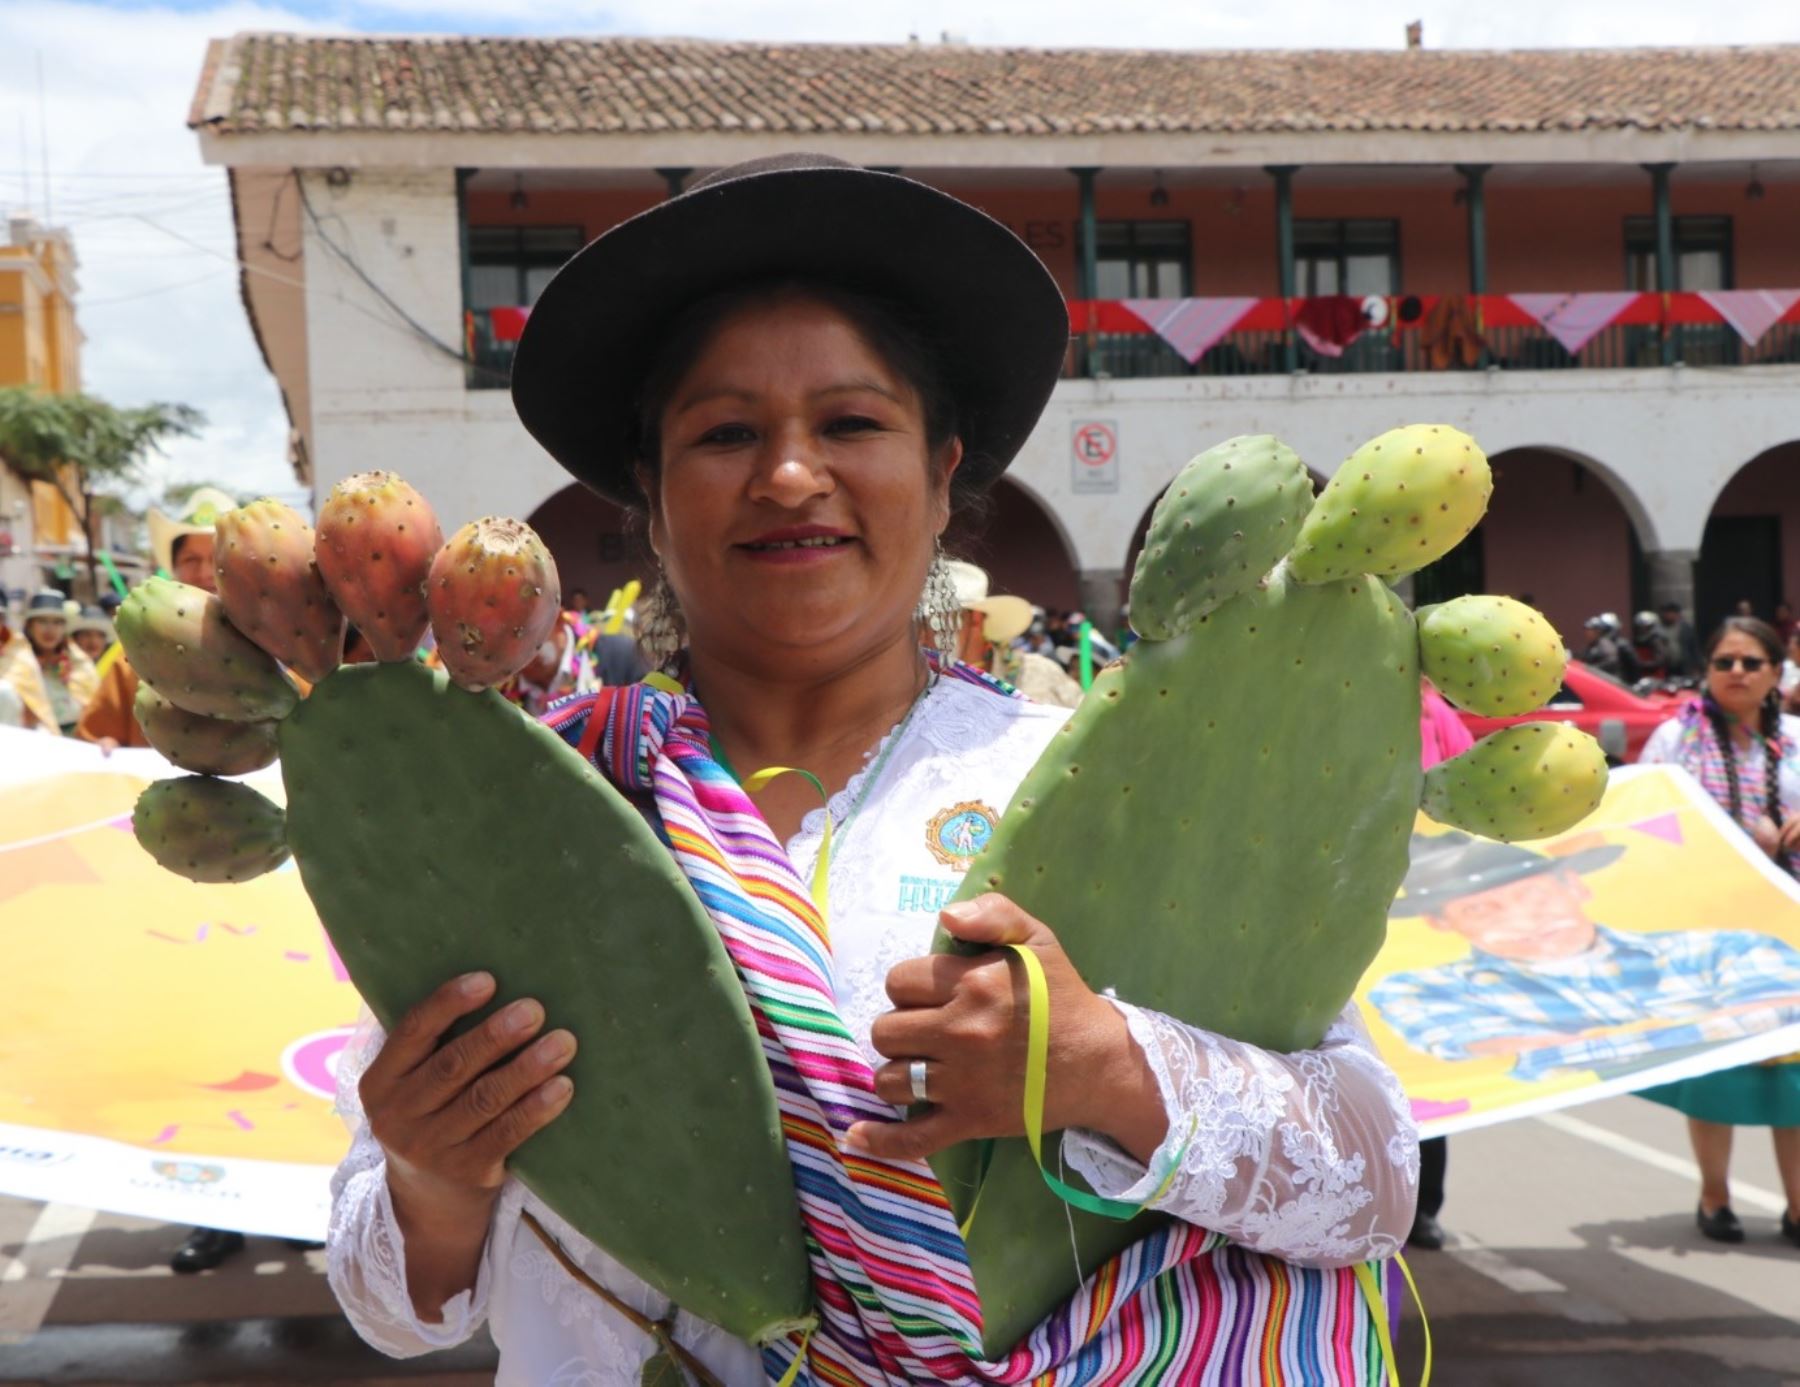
(1653, 943)
(166, 1049)
(169, 1049)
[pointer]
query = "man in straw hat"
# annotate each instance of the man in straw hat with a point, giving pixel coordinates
(183, 548)
(1546, 985)
(990, 625)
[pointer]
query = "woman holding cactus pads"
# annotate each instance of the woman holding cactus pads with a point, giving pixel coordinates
(797, 372)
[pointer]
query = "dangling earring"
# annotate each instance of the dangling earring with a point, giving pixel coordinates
(661, 631)
(939, 611)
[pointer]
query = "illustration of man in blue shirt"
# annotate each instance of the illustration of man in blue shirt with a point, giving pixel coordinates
(1548, 986)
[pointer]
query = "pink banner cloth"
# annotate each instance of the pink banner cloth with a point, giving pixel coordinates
(1574, 319)
(1190, 326)
(1752, 312)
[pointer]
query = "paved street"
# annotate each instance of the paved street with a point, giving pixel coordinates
(1576, 1261)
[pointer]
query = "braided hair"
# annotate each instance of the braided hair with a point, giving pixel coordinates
(1769, 719)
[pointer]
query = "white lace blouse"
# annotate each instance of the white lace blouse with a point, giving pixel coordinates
(1311, 1157)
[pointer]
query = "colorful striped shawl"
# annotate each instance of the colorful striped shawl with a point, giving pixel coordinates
(896, 1299)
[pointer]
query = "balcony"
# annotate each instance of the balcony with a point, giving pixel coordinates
(1135, 339)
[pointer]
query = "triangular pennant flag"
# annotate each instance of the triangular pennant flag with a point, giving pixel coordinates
(1752, 312)
(1190, 326)
(1664, 826)
(1574, 319)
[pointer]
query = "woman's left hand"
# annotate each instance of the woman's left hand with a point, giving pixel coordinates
(1790, 836)
(966, 1017)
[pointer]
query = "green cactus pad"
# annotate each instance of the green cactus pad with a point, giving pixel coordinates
(1491, 655)
(438, 832)
(1217, 833)
(1225, 521)
(1531, 781)
(210, 830)
(1399, 502)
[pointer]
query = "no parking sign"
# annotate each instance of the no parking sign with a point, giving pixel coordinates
(1094, 456)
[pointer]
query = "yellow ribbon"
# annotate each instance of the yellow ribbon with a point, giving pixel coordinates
(1371, 1289)
(821, 873)
(793, 1372)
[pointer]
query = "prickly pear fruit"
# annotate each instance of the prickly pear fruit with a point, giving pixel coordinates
(1224, 522)
(1534, 780)
(1491, 655)
(1399, 502)
(207, 746)
(178, 640)
(493, 595)
(271, 588)
(377, 537)
(210, 830)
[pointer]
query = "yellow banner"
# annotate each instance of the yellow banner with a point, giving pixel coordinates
(1652, 944)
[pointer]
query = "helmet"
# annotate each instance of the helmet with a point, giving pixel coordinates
(1645, 625)
(1606, 623)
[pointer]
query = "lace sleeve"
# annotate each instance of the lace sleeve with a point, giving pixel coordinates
(1311, 1157)
(365, 1253)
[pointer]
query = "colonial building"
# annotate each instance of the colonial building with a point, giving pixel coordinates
(1589, 260)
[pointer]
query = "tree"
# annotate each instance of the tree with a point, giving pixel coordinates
(83, 446)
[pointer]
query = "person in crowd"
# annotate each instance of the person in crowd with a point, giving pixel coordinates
(90, 630)
(27, 700)
(67, 672)
(563, 665)
(1789, 686)
(1607, 650)
(1745, 752)
(576, 600)
(1442, 734)
(826, 364)
(1649, 647)
(1784, 622)
(1745, 607)
(985, 639)
(182, 547)
(1682, 640)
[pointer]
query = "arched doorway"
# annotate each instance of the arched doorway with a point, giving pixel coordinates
(1022, 547)
(595, 548)
(1560, 534)
(1751, 531)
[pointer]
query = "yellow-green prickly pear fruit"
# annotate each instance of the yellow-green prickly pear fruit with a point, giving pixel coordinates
(210, 830)
(1491, 655)
(1399, 502)
(1531, 781)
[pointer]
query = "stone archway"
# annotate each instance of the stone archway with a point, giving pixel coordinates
(594, 543)
(1751, 549)
(1022, 546)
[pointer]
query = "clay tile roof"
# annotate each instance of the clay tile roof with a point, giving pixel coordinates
(286, 82)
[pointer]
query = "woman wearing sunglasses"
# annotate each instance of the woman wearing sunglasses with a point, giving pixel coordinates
(1738, 744)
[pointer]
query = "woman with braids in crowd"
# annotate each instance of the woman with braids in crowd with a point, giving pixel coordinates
(1738, 744)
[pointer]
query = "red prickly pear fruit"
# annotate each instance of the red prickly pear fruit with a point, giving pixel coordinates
(377, 537)
(271, 588)
(494, 597)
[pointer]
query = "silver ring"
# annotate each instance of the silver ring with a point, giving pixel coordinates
(915, 1076)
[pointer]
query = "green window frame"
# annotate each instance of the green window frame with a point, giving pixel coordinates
(1356, 255)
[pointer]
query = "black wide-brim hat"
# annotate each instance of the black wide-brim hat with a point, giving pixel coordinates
(993, 312)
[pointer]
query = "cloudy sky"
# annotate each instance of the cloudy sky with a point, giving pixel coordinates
(159, 298)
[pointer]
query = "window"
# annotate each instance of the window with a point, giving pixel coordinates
(510, 265)
(1346, 257)
(1702, 253)
(1144, 260)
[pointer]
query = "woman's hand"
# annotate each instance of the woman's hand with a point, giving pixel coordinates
(966, 1017)
(1767, 836)
(449, 1113)
(1790, 837)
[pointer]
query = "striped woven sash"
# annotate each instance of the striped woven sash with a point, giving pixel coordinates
(896, 1299)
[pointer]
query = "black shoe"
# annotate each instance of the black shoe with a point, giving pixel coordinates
(205, 1248)
(1721, 1226)
(1427, 1233)
(1790, 1229)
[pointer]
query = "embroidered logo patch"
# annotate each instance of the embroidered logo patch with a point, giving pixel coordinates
(958, 834)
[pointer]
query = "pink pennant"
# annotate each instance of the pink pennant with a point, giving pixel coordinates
(1752, 312)
(1190, 326)
(1664, 826)
(1574, 319)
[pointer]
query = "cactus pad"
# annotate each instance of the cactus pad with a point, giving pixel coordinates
(439, 831)
(1491, 655)
(1224, 522)
(1220, 828)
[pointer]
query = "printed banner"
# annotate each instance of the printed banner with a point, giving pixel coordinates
(1652, 944)
(166, 1049)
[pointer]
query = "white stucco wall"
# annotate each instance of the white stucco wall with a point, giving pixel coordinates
(1667, 440)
